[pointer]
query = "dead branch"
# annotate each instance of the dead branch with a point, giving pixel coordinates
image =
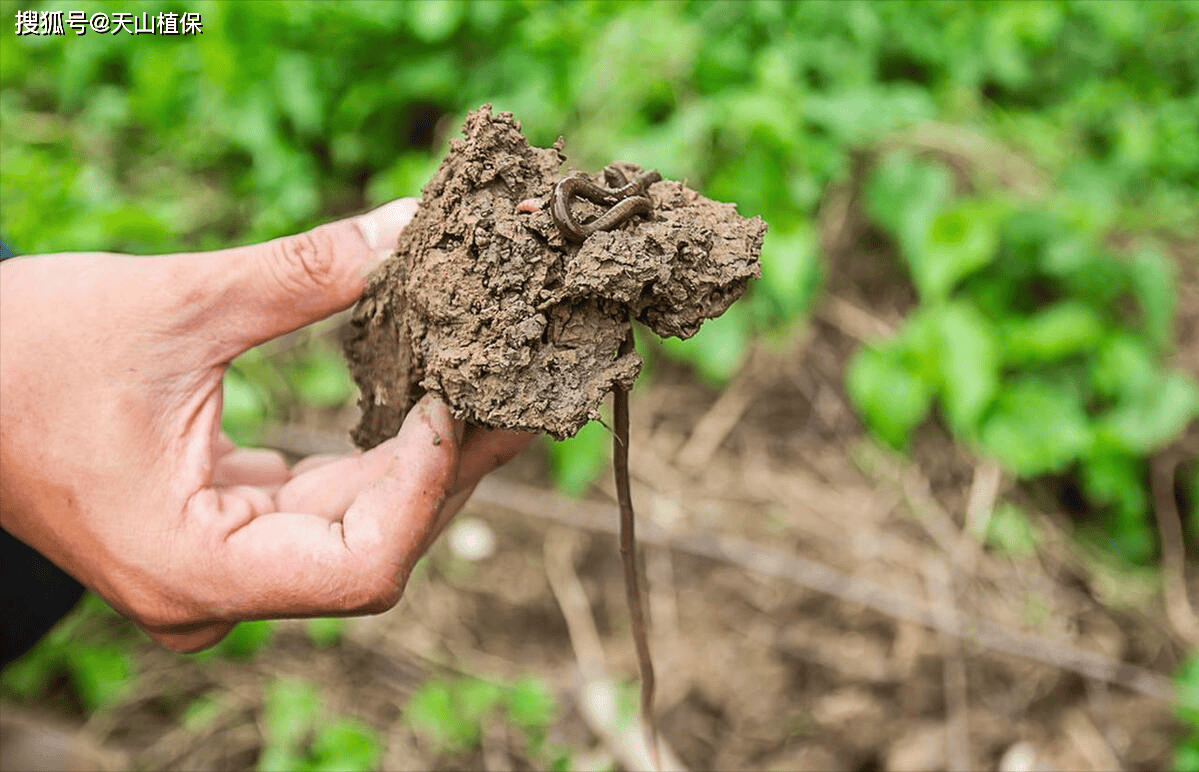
(1174, 589)
(537, 502)
(957, 705)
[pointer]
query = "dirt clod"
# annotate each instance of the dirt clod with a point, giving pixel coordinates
(485, 305)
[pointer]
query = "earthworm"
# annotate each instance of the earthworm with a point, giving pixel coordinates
(626, 201)
(628, 554)
(622, 188)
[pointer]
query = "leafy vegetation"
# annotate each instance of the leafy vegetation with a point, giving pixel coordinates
(1036, 340)
(300, 736)
(86, 648)
(282, 115)
(452, 713)
(1186, 707)
(1041, 345)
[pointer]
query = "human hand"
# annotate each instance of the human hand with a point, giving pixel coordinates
(112, 463)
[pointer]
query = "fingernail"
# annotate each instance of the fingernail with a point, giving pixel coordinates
(444, 416)
(381, 227)
(438, 417)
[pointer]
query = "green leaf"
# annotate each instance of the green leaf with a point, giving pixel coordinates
(135, 228)
(434, 21)
(1154, 281)
(1062, 330)
(1010, 532)
(278, 758)
(28, 677)
(959, 241)
(1037, 241)
(577, 462)
(245, 407)
(890, 398)
(292, 705)
(1114, 479)
(433, 712)
(1193, 497)
(1186, 756)
(857, 116)
(904, 196)
(1142, 422)
(298, 92)
(321, 378)
(1186, 692)
(1123, 367)
(476, 698)
(200, 713)
(530, 703)
(246, 639)
(1126, 532)
(969, 365)
(325, 632)
(1036, 427)
(1114, 482)
(345, 746)
(406, 176)
(99, 673)
(718, 349)
(790, 268)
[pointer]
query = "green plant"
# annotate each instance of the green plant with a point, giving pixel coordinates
(1186, 709)
(90, 646)
(298, 736)
(246, 639)
(283, 115)
(1010, 532)
(325, 632)
(578, 461)
(1041, 345)
(451, 713)
(263, 385)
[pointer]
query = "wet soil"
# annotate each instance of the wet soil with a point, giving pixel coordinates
(490, 308)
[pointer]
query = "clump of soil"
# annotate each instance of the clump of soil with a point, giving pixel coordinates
(488, 306)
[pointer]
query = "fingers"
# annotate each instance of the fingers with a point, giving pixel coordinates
(283, 564)
(325, 486)
(266, 290)
(452, 506)
(312, 462)
(250, 466)
(381, 228)
(327, 489)
(485, 450)
(488, 449)
(193, 638)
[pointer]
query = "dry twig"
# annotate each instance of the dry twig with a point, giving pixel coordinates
(957, 724)
(547, 505)
(1174, 589)
(715, 425)
(537, 502)
(597, 698)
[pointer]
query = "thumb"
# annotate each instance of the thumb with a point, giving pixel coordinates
(289, 282)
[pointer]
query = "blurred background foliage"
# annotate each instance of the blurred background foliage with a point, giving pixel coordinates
(1036, 340)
